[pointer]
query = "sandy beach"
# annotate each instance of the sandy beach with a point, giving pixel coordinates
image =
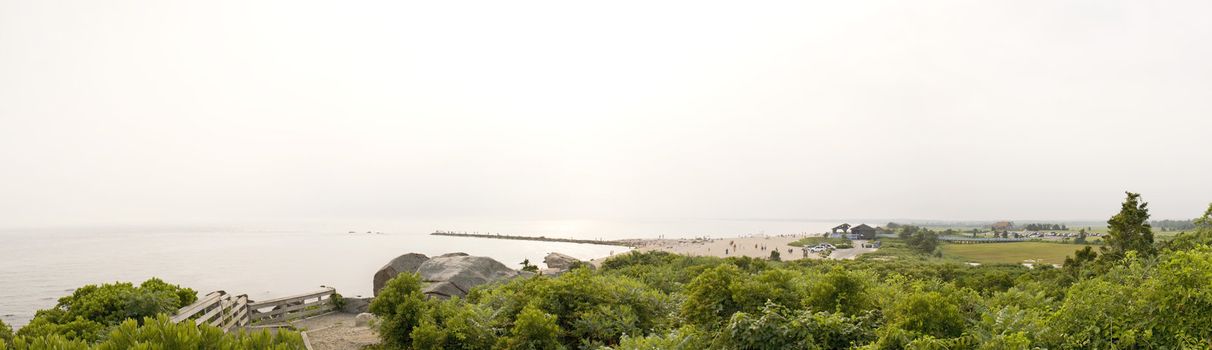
(751, 246)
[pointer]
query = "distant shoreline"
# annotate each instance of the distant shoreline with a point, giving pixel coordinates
(754, 246)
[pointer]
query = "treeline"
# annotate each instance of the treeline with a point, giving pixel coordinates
(1173, 225)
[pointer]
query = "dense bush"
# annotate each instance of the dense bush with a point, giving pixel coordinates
(161, 333)
(454, 324)
(1162, 302)
(592, 308)
(6, 332)
(1159, 303)
(776, 327)
(399, 306)
(534, 329)
(91, 310)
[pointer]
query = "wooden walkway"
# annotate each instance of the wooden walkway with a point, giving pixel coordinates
(229, 312)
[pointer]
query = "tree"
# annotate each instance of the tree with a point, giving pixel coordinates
(1204, 223)
(923, 240)
(1080, 258)
(1081, 237)
(1129, 230)
(774, 255)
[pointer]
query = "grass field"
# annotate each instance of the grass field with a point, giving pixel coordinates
(812, 241)
(1012, 253)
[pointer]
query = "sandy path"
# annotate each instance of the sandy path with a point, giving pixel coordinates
(336, 331)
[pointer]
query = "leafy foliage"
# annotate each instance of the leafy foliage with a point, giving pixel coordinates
(776, 327)
(92, 309)
(399, 306)
(6, 332)
(534, 330)
(161, 333)
(454, 324)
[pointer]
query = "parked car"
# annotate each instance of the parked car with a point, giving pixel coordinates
(822, 247)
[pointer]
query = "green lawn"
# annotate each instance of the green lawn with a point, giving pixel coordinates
(811, 241)
(1012, 253)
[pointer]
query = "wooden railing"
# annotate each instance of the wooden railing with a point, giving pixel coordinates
(293, 307)
(222, 310)
(217, 309)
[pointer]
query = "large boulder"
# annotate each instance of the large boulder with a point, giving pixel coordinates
(559, 261)
(401, 264)
(442, 290)
(461, 273)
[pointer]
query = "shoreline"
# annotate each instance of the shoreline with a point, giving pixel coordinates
(753, 246)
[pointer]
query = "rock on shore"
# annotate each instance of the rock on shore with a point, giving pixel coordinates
(401, 264)
(445, 275)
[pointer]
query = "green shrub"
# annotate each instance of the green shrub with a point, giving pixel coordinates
(454, 324)
(841, 290)
(338, 301)
(685, 338)
(593, 308)
(6, 332)
(92, 309)
(399, 306)
(776, 327)
(708, 298)
(533, 330)
(47, 342)
(161, 333)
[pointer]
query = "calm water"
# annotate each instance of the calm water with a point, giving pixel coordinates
(39, 266)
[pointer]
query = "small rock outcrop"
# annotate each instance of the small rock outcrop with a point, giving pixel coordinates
(401, 264)
(453, 275)
(559, 261)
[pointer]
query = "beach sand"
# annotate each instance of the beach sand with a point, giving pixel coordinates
(743, 246)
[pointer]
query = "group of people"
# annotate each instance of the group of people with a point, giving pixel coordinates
(761, 247)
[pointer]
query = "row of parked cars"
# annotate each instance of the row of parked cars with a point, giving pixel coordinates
(821, 247)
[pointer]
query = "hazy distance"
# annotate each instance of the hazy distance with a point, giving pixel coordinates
(218, 111)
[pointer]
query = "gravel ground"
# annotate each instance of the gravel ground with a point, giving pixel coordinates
(336, 331)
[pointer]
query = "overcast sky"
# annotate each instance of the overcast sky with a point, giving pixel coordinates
(136, 111)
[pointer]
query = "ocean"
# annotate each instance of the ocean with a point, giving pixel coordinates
(37, 266)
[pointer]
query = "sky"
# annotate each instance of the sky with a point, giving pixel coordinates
(171, 111)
